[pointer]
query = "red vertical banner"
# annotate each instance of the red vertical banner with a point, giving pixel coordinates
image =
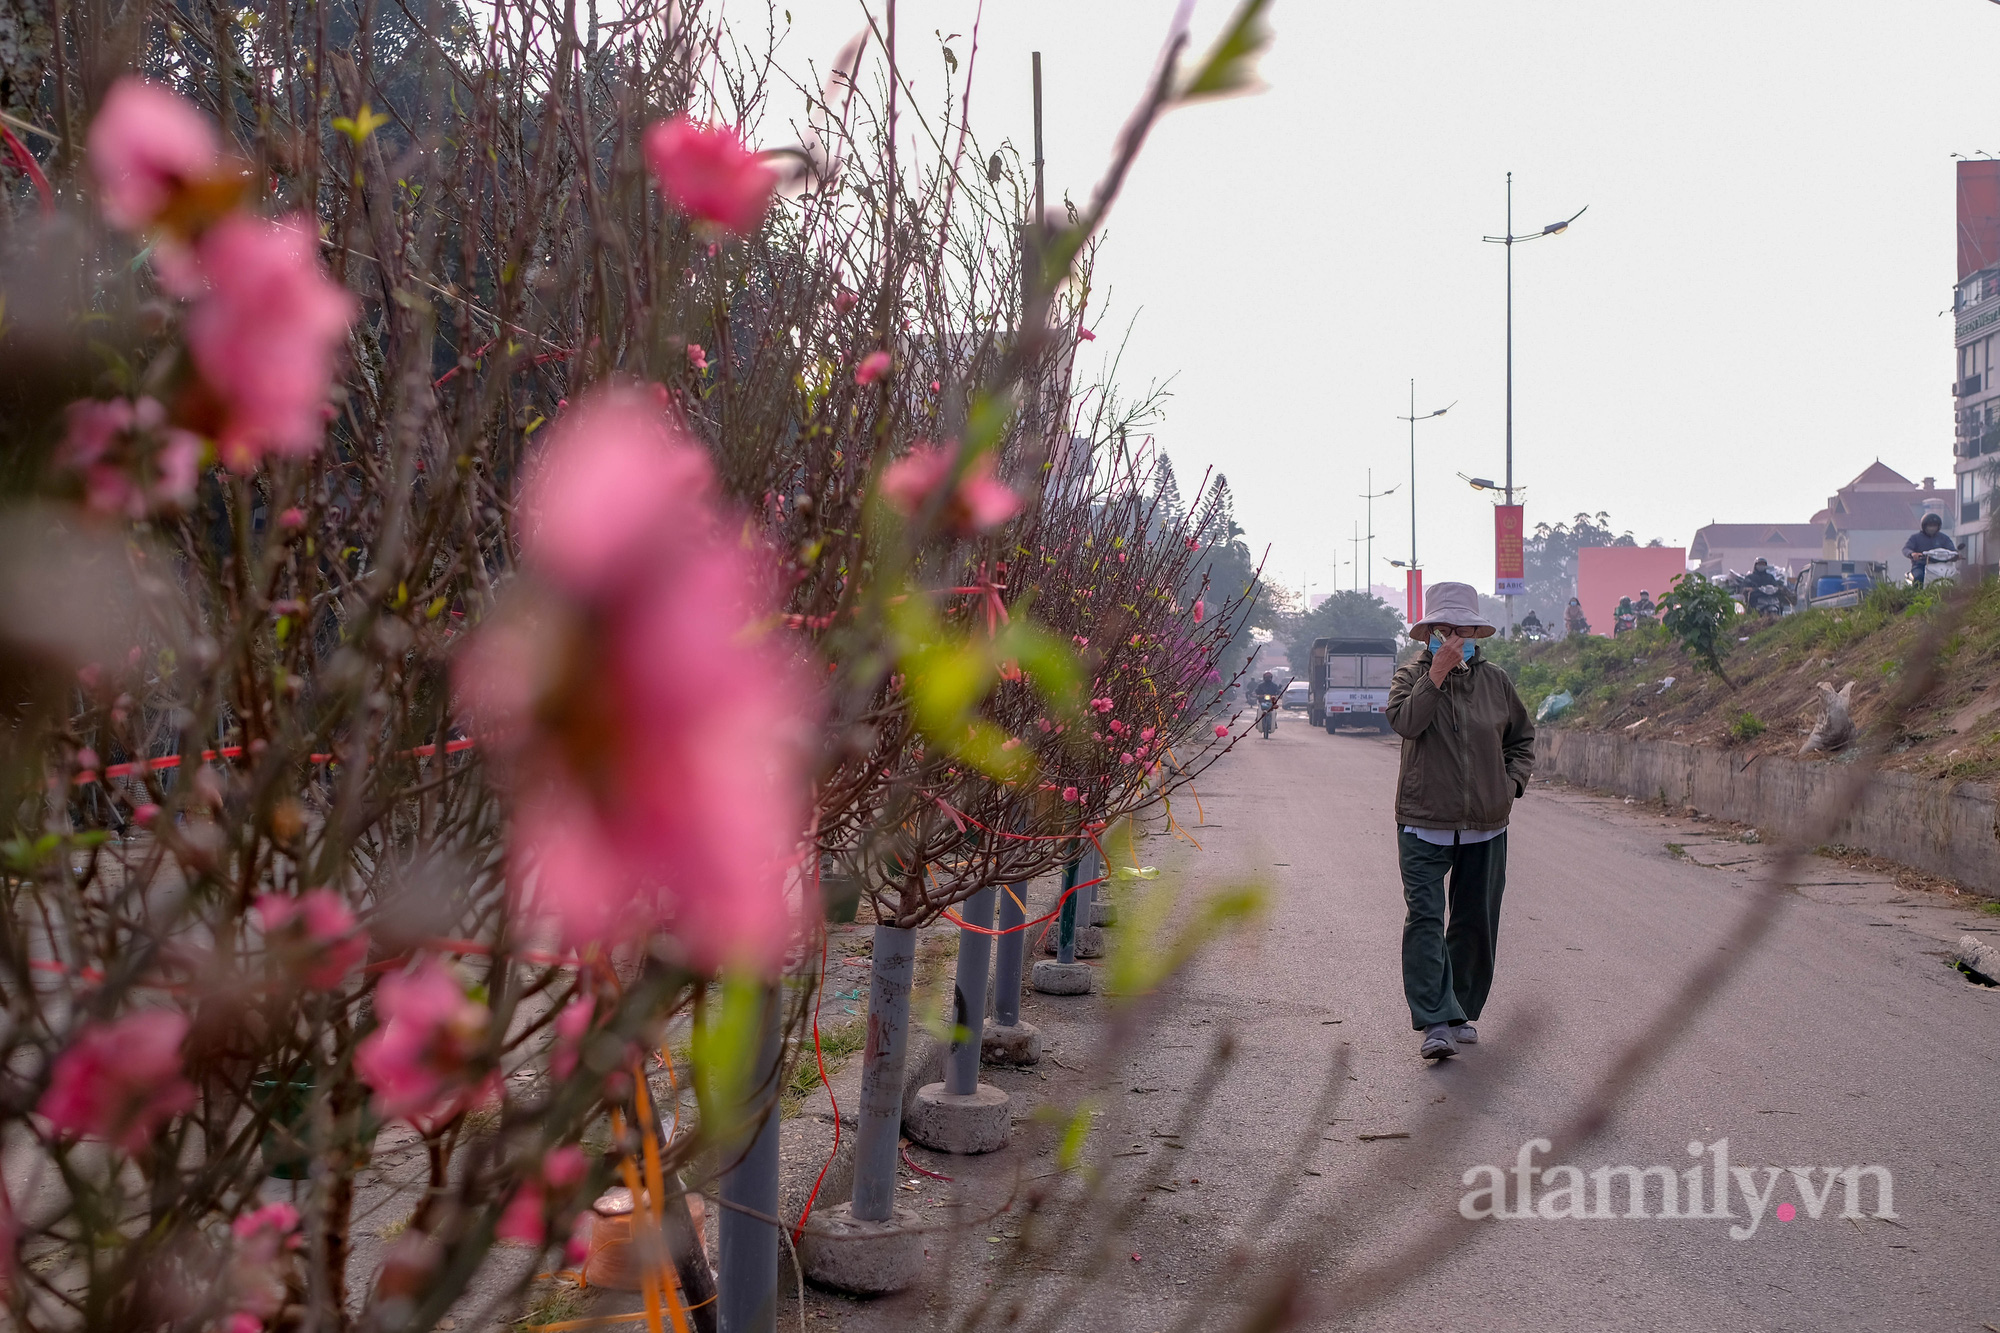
(1413, 594)
(1510, 560)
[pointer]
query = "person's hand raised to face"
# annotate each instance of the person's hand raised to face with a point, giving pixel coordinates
(1450, 655)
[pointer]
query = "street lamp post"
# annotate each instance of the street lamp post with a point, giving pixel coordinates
(1371, 497)
(1413, 590)
(1510, 240)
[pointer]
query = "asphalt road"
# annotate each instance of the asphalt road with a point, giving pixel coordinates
(1845, 1040)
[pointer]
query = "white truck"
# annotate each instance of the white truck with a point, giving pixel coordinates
(1350, 682)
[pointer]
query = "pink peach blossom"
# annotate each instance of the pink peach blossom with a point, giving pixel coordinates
(146, 145)
(419, 1060)
(1220, 731)
(522, 1220)
(264, 334)
(1069, 793)
(316, 930)
(104, 444)
(696, 357)
(980, 503)
(873, 367)
(1200, 609)
(120, 1081)
(1085, 335)
(570, 1026)
(708, 174)
(641, 805)
(257, 1268)
(844, 302)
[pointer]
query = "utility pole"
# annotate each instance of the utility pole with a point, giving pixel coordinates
(1510, 240)
(1357, 539)
(1371, 497)
(1413, 576)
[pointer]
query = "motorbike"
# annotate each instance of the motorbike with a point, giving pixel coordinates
(1936, 567)
(1267, 721)
(1577, 627)
(1768, 599)
(1623, 622)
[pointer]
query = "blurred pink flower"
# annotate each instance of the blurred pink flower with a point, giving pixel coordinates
(1085, 335)
(523, 1219)
(641, 804)
(257, 1268)
(264, 335)
(570, 1026)
(1069, 793)
(119, 1081)
(146, 145)
(708, 174)
(980, 503)
(873, 367)
(1200, 609)
(243, 1322)
(844, 302)
(315, 930)
(103, 443)
(419, 1059)
(696, 357)
(1220, 731)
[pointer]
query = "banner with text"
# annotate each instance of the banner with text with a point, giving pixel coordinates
(1510, 568)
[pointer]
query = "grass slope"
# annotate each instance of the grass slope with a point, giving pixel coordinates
(1954, 734)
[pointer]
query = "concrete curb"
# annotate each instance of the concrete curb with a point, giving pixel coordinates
(1946, 828)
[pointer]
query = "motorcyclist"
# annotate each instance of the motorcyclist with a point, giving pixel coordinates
(1624, 617)
(1927, 538)
(1763, 591)
(1268, 690)
(1644, 608)
(1532, 628)
(1573, 621)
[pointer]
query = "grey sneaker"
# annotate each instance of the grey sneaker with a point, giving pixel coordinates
(1438, 1044)
(1465, 1034)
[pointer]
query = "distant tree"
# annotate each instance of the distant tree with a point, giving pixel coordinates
(1550, 558)
(1344, 615)
(1226, 569)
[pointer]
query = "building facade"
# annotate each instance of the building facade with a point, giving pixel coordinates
(1723, 548)
(1871, 517)
(1976, 386)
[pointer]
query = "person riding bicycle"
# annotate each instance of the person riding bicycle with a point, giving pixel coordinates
(1930, 537)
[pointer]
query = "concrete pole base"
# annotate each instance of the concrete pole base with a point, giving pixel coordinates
(1089, 942)
(1103, 914)
(974, 1123)
(1011, 1044)
(861, 1258)
(1053, 978)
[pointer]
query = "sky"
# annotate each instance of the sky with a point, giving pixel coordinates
(1746, 317)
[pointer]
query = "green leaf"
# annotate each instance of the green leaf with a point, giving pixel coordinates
(1071, 1149)
(1151, 946)
(363, 124)
(1231, 64)
(725, 1051)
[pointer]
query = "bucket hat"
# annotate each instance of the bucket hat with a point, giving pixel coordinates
(1452, 604)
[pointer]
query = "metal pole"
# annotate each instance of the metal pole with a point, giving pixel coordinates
(881, 1114)
(1510, 371)
(961, 1075)
(1066, 922)
(1371, 532)
(1007, 956)
(747, 1296)
(1413, 473)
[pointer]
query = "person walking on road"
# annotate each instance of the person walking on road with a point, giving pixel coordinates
(1468, 752)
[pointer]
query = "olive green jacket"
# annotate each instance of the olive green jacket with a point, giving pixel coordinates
(1468, 749)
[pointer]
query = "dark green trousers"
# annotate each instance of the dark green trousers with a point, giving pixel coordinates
(1448, 968)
